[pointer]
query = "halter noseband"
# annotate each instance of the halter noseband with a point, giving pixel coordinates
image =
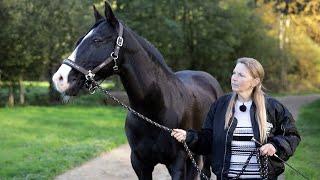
(89, 74)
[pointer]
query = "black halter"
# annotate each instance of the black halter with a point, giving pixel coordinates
(89, 74)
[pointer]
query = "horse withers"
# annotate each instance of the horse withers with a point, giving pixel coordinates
(173, 99)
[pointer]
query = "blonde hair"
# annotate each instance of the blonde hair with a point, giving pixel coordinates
(256, 71)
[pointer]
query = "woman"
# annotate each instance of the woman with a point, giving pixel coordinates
(235, 119)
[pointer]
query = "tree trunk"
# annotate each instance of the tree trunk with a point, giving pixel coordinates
(21, 90)
(282, 35)
(11, 95)
(188, 43)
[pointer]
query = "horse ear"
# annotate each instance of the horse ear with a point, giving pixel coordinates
(109, 14)
(97, 15)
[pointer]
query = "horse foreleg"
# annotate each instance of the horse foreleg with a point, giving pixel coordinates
(203, 162)
(177, 169)
(142, 170)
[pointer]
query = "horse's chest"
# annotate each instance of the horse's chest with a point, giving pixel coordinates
(159, 150)
(150, 143)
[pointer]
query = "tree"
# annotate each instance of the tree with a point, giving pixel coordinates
(206, 36)
(299, 40)
(35, 37)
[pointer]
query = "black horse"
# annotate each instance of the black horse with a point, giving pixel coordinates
(173, 99)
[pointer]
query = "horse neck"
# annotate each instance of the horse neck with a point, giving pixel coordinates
(144, 77)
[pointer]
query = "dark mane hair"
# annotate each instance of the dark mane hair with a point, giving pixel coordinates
(152, 51)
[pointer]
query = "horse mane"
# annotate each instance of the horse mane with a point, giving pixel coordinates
(152, 51)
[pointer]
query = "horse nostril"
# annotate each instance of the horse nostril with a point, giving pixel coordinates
(60, 78)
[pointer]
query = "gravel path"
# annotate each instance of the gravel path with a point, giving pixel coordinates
(115, 165)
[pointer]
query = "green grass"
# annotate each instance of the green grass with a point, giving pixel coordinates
(45, 84)
(307, 157)
(42, 142)
(36, 93)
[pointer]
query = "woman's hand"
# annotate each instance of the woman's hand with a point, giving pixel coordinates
(179, 134)
(268, 149)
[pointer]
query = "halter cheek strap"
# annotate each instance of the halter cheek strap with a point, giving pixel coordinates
(89, 74)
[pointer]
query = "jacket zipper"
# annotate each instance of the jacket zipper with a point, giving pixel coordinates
(225, 147)
(283, 129)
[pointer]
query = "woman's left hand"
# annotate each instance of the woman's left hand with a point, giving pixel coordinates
(268, 149)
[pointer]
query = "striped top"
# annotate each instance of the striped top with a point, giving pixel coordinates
(242, 146)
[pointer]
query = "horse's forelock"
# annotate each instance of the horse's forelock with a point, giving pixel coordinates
(94, 26)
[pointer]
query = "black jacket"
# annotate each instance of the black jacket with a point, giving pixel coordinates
(215, 139)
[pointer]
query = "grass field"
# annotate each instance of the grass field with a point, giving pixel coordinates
(36, 94)
(41, 142)
(45, 84)
(307, 157)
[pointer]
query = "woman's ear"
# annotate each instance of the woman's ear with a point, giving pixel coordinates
(255, 82)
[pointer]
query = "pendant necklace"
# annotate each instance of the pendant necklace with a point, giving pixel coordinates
(243, 108)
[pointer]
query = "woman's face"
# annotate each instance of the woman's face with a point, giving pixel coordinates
(241, 79)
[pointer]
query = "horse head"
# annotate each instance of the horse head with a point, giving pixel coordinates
(91, 50)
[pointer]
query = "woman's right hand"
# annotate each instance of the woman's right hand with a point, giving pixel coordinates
(179, 134)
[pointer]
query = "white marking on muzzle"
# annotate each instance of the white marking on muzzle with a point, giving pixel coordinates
(60, 78)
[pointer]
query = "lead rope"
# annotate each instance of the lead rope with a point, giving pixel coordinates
(263, 166)
(93, 85)
(263, 163)
(283, 161)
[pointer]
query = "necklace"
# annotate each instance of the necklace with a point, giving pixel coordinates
(243, 108)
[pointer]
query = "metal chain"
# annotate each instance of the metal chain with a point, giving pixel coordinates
(95, 85)
(193, 161)
(264, 165)
(135, 112)
(244, 166)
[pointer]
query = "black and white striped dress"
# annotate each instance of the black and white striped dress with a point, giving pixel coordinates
(242, 146)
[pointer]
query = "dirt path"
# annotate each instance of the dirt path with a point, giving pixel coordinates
(115, 165)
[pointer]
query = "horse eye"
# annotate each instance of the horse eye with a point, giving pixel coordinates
(97, 40)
